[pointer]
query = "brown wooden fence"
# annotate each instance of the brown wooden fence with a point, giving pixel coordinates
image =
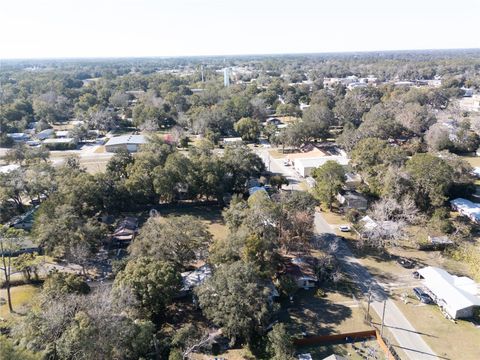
(351, 336)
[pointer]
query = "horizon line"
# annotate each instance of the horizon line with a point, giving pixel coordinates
(343, 52)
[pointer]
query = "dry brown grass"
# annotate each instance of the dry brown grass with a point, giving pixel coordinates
(22, 297)
(447, 339)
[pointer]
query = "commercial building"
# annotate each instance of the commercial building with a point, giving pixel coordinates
(304, 167)
(131, 143)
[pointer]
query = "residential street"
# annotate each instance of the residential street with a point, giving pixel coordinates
(407, 338)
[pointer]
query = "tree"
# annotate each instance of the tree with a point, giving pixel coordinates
(94, 326)
(431, 186)
(10, 240)
(278, 181)
(178, 240)
(235, 299)
(240, 165)
(100, 119)
(118, 164)
(437, 138)
(61, 231)
(330, 178)
(415, 118)
(8, 351)
(154, 283)
(58, 284)
(391, 217)
(280, 344)
(248, 128)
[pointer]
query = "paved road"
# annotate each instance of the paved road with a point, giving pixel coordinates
(408, 339)
(276, 166)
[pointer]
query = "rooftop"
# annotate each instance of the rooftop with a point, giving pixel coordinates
(458, 292)
(127, 139)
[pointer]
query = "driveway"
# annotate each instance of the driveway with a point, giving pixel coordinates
(408, 339)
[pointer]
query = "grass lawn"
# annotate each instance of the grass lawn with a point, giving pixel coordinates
(22, 296)
(473, 160)
(335, 313)
(234, 354)
(447, 339)
(210, 215)
(276, 154)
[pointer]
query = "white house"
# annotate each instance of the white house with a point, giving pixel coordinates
(131, 143)
(458, 296)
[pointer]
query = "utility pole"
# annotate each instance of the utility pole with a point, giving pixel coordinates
(383, 316)
(368, 304)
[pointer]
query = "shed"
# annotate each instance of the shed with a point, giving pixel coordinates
(456, 295)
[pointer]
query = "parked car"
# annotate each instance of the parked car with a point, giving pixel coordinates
(344, 228)
(422, 295)
(286, 163)
(406, 263)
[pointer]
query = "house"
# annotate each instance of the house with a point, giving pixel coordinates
(457, 296)
(5, 169)
(125, 231)
(352, 200)
(18, 137)
(367, 223)
(192, 279)
(467, 208)
(131, 143)
(274, 121)
(45, 134)
(302, 272)
(24, 221)
(352, 181)
(60, 143)
(62, 134)
(232, 141)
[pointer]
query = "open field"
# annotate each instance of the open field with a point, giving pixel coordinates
(22, 297)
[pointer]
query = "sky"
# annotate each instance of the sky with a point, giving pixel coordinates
(139, 28)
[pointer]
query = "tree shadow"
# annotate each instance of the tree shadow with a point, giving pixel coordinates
(311, 315)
